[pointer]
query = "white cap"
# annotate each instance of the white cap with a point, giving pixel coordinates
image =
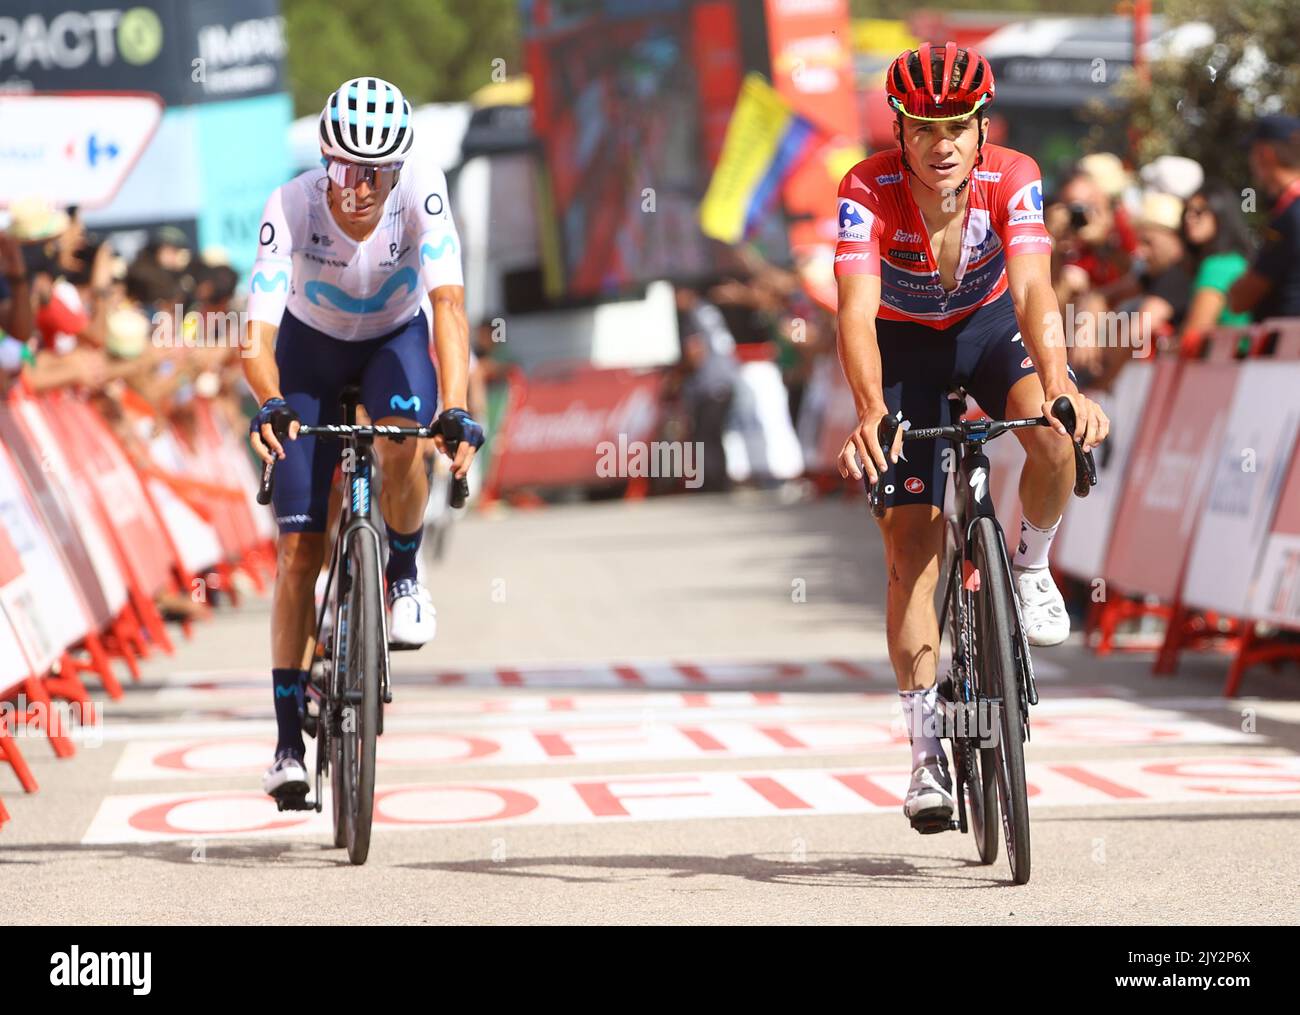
(1173, 174)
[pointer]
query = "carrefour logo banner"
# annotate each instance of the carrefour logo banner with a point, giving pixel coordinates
(186, 52)
(72, 149)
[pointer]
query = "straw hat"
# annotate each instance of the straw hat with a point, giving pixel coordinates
(1160, 209)
(33, 218)
(1108, 172)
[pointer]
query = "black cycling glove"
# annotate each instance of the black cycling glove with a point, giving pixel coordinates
(275, 411)
(458, 425)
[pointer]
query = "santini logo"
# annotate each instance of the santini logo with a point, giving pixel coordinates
(102, 969)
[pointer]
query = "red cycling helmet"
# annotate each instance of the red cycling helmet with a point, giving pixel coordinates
(918, 90)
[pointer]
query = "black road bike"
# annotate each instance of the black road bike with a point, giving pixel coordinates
(990, 684)
(350, 681)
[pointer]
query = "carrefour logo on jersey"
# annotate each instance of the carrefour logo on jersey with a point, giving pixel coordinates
(1027, 204)
(72, 39)
(855, 221)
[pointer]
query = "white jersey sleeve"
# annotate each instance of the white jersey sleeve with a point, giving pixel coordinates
(431, 228)
(268, 289)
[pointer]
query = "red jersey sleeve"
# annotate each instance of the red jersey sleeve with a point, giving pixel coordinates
(861, 223)
(1017, 209)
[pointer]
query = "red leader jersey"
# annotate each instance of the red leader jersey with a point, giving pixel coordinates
(881, 232)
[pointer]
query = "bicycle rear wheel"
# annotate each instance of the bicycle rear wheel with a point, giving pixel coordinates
(362, 659)
(998, 678)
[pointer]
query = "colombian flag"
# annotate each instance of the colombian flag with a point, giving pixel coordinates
(766, 141)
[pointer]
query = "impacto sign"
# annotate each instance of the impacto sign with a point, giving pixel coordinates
(186, 51)
(73, 149)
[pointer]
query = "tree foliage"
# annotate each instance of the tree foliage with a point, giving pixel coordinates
(434, 50)
(1201, 104)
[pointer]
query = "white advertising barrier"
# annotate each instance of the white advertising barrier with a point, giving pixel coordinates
(1080, 547)
(14, 665)
(73, 490)
(760, 439)
(1254, 456)
(42, 604)
(1276, 593)
(73, 148)
(195, 540)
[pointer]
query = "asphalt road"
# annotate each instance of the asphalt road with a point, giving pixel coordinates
(678, 711)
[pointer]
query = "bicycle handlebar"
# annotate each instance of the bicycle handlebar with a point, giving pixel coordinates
(460, 487)
(982, 431)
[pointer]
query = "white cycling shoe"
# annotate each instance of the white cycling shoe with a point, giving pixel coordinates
(287, 777)
(412, 620)
(929, 802)
(1041, 607)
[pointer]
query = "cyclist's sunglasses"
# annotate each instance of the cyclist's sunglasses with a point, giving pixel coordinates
(350, 175)
(946, 110)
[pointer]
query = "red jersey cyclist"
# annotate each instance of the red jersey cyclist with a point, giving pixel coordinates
(944, 281)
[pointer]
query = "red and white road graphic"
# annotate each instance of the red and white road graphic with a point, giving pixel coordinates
(652, 674)
(683, 796)
(670, 736)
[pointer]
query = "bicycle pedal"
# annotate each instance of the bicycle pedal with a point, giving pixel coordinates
(294, 802)
(933, 822)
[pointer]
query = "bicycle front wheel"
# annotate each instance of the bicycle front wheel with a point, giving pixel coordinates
(363, 660)
(998, 678)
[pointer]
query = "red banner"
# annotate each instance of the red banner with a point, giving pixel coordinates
(563, 424)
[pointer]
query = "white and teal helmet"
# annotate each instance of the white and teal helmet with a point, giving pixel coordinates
(367, 121)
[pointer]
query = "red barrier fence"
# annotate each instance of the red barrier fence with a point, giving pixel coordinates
(91, 536)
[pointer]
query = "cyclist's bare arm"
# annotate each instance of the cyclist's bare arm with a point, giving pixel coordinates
(263, 377)
(859, 301)
(1029, 278)
(451, 340)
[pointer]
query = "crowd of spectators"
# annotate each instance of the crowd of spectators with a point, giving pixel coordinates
(1152, 261)
(140, 340)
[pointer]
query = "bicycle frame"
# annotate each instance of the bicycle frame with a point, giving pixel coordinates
(974, 501)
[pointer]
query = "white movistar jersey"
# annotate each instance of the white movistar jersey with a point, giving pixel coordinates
(353, 291)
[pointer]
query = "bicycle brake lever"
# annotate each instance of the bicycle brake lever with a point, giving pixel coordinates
(1085, 471)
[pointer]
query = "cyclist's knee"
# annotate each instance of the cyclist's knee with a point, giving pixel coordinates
(299, 555)
(1046, 448)
(913, 537)
(397, 459)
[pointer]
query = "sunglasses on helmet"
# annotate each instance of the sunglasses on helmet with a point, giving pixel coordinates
(351, 175)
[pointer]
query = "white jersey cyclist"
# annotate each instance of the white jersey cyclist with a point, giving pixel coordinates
(346, 312)
(352, 290)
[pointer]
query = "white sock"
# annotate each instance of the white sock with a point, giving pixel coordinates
(1031, 554)
(920, 715)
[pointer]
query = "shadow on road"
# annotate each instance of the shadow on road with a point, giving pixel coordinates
(840, 870)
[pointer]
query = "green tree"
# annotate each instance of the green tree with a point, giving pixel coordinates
(434, 50)
(1201, 103)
